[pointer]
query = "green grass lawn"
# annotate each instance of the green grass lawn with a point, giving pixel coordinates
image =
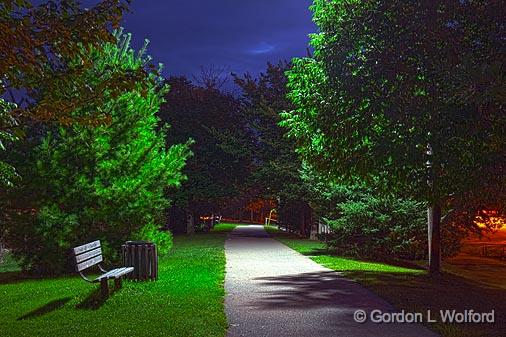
(413, 289)
(223, 227)
(187, 300)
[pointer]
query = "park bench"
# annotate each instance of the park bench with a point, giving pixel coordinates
(89, 255)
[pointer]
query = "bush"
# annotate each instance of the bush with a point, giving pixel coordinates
(53, 237)
(375, 227)
(372, 226)
(162, 239)
(386, 228)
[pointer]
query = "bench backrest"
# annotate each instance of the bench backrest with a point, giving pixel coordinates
(87, 255)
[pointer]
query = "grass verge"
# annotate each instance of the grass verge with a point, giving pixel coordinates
(413, 289)
(223, 227)
(187, 300)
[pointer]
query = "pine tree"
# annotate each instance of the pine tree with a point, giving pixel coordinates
(106, 182)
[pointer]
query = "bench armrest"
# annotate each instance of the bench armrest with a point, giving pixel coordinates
(102, 269)
(84, 277)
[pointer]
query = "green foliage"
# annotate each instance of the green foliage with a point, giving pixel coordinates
(8, 263)
(54, 229)
(390, 80)
(277, 171)
(386, 80)
(324, 195)
(375, 227)
(162, 239)
(276, 164)
(39, 44)
(8, 134)
(106, 182)
(368, 224)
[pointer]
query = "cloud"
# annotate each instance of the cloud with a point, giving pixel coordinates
(241, 35)
(261, 48)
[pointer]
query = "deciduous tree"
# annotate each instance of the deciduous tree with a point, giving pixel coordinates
(40, 80)
(406, 96)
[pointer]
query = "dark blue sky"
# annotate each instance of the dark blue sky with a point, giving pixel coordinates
(240, 34)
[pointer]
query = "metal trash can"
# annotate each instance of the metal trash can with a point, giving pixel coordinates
(143, 257)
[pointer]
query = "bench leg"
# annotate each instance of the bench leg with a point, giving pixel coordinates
(117, 283)
(104, 288)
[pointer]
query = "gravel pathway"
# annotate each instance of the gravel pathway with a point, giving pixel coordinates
(274, 291)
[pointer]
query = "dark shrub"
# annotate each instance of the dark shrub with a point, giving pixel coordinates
(386, 228)
(375, 227)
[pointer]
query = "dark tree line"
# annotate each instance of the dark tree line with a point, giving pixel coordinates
(221, 162)
(240, 152)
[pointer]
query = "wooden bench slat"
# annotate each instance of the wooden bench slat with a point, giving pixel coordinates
(115, 273)
(89, 263)
(121, 271)
(88, 255)
(110, 273)
(86, 247)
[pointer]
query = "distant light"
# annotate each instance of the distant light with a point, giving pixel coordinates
(494, 221)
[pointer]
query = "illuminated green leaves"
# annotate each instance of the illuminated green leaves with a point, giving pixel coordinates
(111, 180)
(380, 86)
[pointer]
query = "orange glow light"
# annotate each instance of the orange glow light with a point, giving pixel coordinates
(492, 220)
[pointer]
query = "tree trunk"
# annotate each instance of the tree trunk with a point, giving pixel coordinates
(302, 222)
(1, 250)
(190, 223)
(313, 232)
(434, 232)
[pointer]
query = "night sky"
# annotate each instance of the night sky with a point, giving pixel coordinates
(242, 35)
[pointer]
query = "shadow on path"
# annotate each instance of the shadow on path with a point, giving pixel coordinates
(274, 291)
(312, 290)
